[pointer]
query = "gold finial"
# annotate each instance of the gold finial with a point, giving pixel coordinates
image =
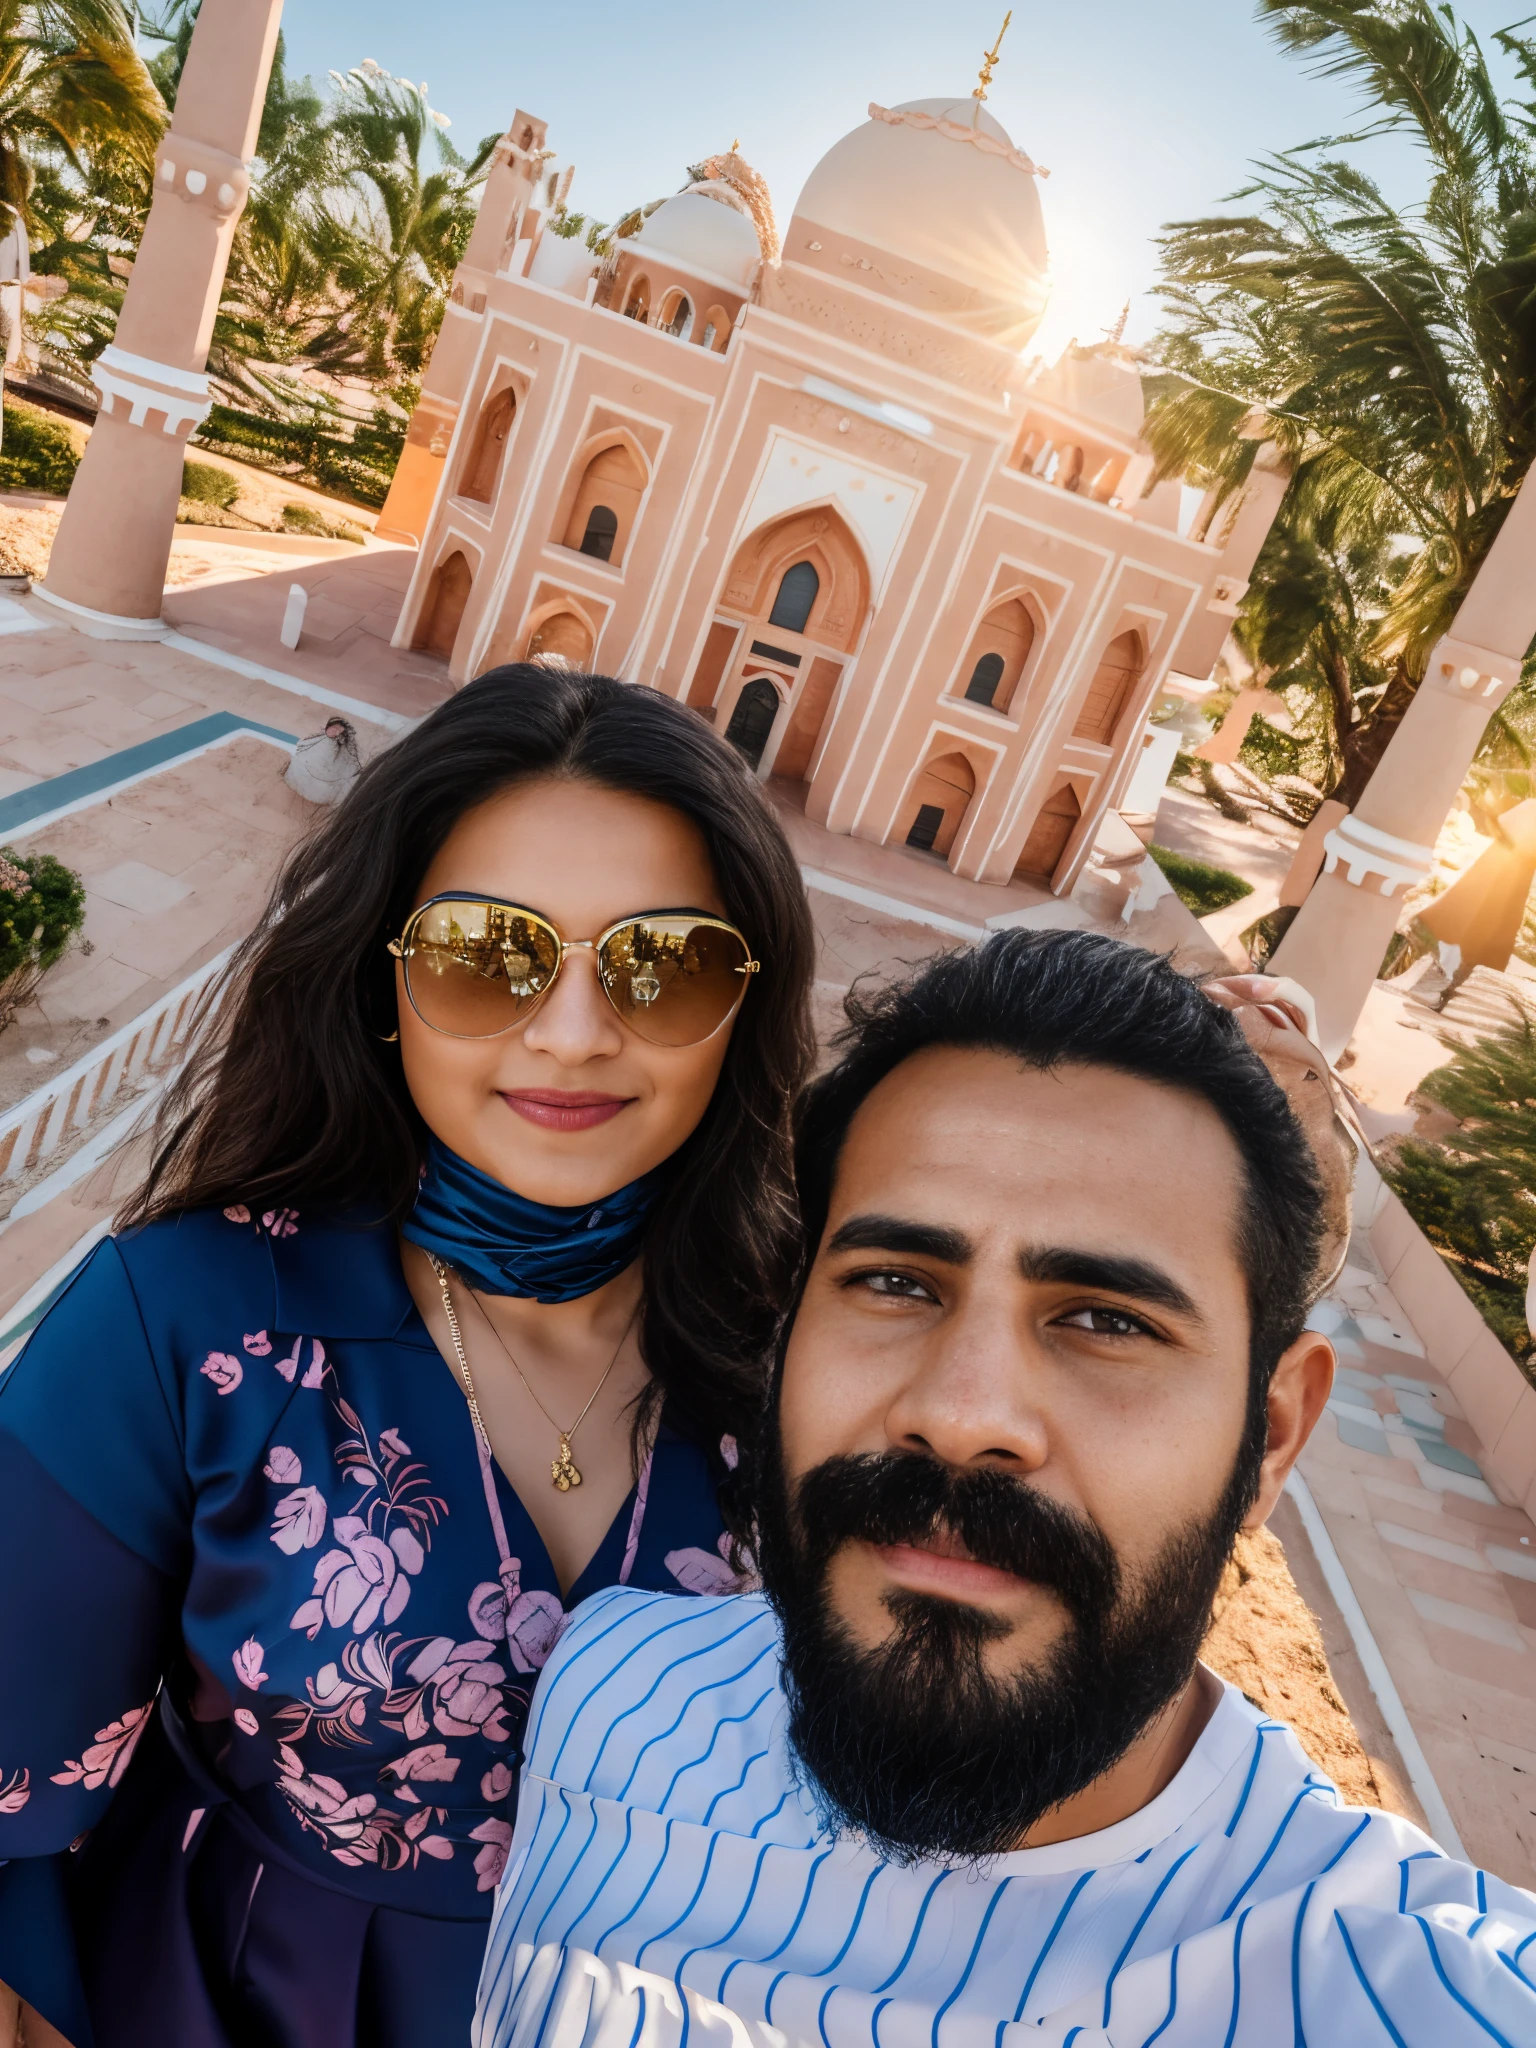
(736, 146)
(989, 61)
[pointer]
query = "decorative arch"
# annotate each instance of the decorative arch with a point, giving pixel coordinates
(998, 653)
(447, 597)
(1049, 836)
(1069, 468)
(752, 717)
(611, 481)
(937, 803)
(482, 468)
(1114, 680)
(560, 635)
(820, 537)
(637, 299)
(676, 315)
(715, 329)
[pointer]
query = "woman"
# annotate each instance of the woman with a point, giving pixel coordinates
(439, 1310)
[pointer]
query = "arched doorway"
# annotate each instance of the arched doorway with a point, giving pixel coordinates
(562, 638)
(606, 502)
(799, 588)
(998, 651)
(938, 803)
(482, 472)
(676, 314)
(752, 719)
(1054, 825)
(1114, 679)
(443, 613)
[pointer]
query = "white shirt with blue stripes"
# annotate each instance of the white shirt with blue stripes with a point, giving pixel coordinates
(668, 1883)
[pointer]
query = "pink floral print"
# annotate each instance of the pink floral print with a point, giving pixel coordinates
(247, 1661)
(428, 1765)
(530, 1624)
(364, 1581)
(259, 1345)
(283, 1467)
(281, 1222)
(492, 1860)
(225, 1372)
(109, 1756)
(298, 1520)
(314, 1374)
(701, 1571)
(354, 1827)
(237, 1212)
(496, 1784)
(15, 1791)
(246, 1721)
(383, 1543)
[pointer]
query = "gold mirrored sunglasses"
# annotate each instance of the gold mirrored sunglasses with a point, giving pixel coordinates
(476, 967)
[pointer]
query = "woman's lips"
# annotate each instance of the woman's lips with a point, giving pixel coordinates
(558, 1110)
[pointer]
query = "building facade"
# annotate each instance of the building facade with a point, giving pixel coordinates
(816, 491)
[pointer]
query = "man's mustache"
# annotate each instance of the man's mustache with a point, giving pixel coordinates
(905, 1497)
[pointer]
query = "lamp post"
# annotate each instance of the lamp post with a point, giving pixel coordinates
(107, 568)
(1378, 851)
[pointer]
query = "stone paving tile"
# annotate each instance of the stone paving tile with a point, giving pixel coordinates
(1435, 1559)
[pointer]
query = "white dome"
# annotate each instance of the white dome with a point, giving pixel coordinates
(940, 183)
(711, 237)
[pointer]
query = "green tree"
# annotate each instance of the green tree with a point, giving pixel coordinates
(1389, 351)
(1473, 1193)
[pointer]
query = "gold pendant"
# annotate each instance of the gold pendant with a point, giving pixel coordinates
(563, 1469)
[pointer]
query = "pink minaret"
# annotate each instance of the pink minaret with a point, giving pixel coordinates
(107, 571)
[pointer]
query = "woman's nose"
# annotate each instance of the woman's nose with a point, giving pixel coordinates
(575, 1022)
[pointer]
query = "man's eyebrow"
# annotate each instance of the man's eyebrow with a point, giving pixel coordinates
(876, 1233)
(1137, 1278)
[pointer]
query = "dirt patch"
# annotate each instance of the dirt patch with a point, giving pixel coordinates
(1267, 1641)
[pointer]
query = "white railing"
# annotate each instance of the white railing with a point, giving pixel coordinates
(53, 1117)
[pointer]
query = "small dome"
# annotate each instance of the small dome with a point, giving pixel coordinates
(706, 234)
(940, 183)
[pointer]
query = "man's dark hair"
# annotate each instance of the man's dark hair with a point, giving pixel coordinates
(1052, 999)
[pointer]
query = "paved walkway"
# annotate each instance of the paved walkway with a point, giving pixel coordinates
(1445, 1573)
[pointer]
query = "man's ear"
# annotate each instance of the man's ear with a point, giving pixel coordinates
(1297, 1395)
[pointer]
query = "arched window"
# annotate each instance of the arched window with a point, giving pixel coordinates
(1116, 676)
(443, 613)
(482, 472)
(1048, 836)
(998, 653)
(602, 531)
(637, 306)
(1069, 469)
(607, 498)
(985, 677)
(939, 802)
(716, 329)
(677, 314)
(797, 594)
(752, 719)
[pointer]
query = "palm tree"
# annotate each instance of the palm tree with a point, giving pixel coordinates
(1389, 351)
(73, 89)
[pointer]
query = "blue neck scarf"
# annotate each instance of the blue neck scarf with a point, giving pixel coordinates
(504, 1244)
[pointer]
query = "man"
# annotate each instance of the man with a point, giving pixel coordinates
(959, 1779)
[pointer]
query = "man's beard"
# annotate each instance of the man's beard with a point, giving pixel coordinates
(916, 1745)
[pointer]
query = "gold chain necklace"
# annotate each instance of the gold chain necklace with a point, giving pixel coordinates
(562, 1468)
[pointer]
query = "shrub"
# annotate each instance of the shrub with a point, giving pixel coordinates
(37, 451)
(306, 519)
(42, 906)
(209, 485)
(1197, 884)
(1473, 1192)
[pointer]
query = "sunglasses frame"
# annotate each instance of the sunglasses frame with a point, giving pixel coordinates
(401, 949)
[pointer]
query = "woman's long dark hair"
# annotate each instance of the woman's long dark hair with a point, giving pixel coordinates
(294, 1096)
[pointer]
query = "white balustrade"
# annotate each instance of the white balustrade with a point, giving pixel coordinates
(49, 1122)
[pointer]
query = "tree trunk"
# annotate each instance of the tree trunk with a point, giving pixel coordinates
(1364, 745)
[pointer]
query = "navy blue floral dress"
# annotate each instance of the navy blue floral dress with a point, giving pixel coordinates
(269, 1624)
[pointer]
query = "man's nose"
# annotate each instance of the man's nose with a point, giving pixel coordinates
(972, 1398)
(575, 1022)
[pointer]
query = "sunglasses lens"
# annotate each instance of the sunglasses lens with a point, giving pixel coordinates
(476, 968)
(673, 980)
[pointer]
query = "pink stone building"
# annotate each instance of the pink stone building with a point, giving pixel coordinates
(817, 490)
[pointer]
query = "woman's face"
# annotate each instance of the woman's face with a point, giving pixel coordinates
(573, 1104)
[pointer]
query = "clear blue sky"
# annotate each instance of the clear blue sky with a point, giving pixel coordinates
(1145, 110)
